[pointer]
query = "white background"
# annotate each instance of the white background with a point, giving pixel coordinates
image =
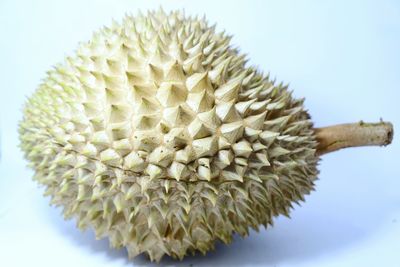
(342, 56)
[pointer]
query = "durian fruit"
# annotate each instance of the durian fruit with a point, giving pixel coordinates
(158, 136)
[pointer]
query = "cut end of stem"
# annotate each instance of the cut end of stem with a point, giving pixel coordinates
(340, 136)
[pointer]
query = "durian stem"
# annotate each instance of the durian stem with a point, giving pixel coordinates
(340, 136)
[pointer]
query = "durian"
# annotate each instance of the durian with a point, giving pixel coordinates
(158, 136)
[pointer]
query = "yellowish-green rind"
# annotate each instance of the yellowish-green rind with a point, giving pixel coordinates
(156, 135)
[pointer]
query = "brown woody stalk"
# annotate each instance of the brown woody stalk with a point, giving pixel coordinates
(340, 136)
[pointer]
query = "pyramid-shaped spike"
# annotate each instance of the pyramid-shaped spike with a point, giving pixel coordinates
(256, 121)
(114, 82)
(110, 156)
(228, 91)
(200, 102)
(159, 56)
(243, 107)
(185, 155)
(143, 90)
(135, 77)
(177, 170)
(146, 106)
(262, 157)
(193, 64)
(268, 137)
(146, 122)
(210, 118)
(161, 156)
(174, 73)
(257, 146)
(251, 134)
(177, 116)
(242, 148)
(232, 131)
(114, 96)
(177, 137)
(89, 150)
(198, 129)
(101, 138)
(198, 82)
(153, 171)
(205, 146)
(170, 94)
(218, 74)
(155, 73)
(260, 105)
(177, 53)
(226, 112)
(122, 146)
(225, 157)
(134, 162)
(119, 113)
(133, 63)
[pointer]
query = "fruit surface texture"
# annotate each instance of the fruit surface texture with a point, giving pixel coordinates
(157, 135)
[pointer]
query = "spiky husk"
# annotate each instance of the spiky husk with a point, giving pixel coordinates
(156, 135)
